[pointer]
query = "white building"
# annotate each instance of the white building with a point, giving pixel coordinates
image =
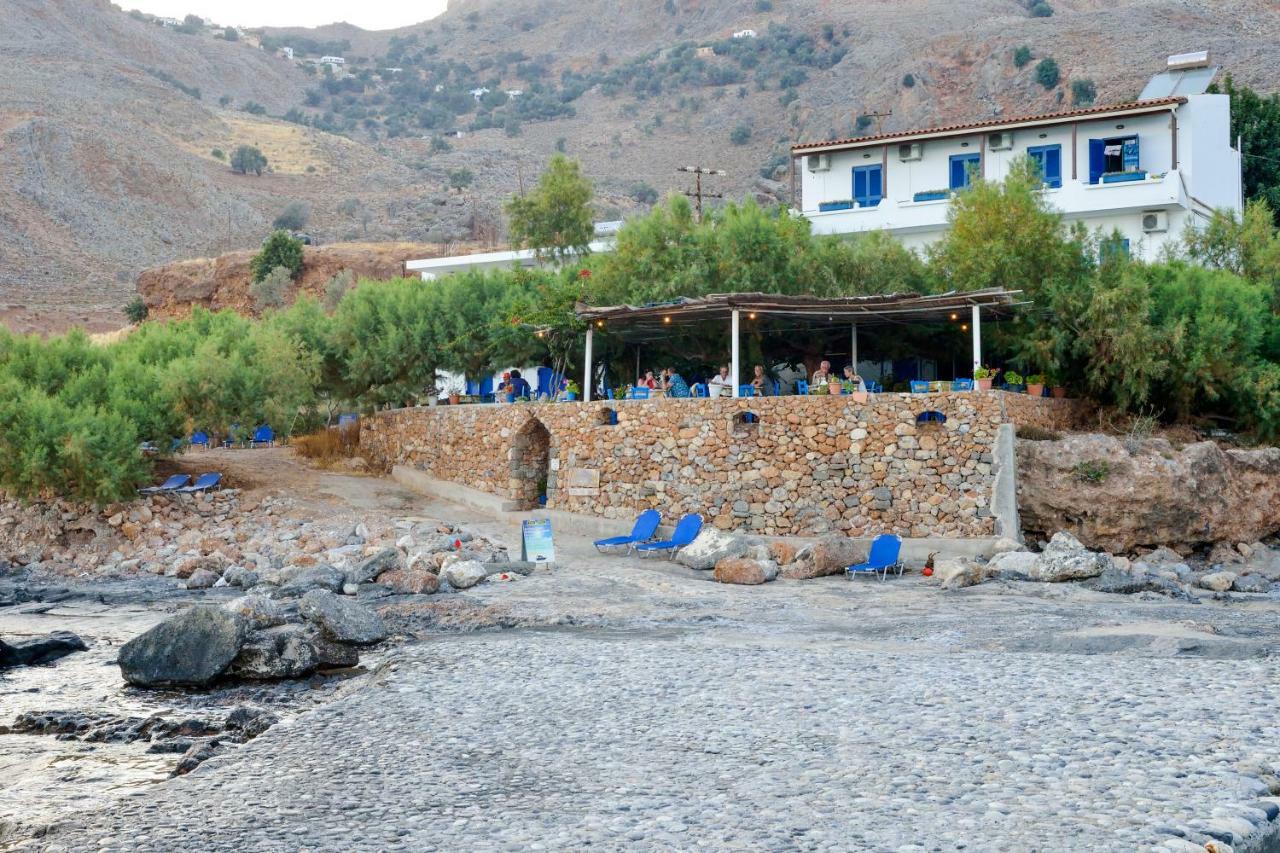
(332, 60)
(745, 34)
(1146, 169)
(479, 93)
(285, 52)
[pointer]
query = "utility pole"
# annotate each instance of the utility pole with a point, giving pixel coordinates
(879, 118)
(697, 194)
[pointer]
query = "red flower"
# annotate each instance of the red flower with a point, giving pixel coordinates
(584, 273)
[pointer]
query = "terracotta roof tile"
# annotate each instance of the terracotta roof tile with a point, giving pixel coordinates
(953, 128)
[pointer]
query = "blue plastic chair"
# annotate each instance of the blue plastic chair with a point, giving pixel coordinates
(639, 393)
(802, 387)
(884, 556)
(777, 388)
(875, 388)
(961, 384)
(746, 390)
(203, 483)
(687, 530)
(919, 386)
(645, 527)
(700, 390)
(263, 435)
(177, 481)
(347, 420)
(199, 439)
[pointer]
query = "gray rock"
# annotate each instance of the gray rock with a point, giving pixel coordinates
(342, 619)
(202, 579)
(318, 577)
(957, 574)
(189, 650)
(331, 654)
(1162, 555)
(250, 722)
(1217, 581)
(514, 567)
(1014, 565)
(241, 577)
(1251, 583)
(464, 575)
(40, 650)
(711, 547)
(1065, 559)
(369, 569)
(281, 652)
(1119, 582)
(259, 611)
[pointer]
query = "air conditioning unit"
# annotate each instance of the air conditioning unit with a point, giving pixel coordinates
(909, 151)
(817, 162)
(1155, 220)
(1000, 141)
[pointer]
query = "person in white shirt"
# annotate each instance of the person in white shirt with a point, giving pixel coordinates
(720, 386)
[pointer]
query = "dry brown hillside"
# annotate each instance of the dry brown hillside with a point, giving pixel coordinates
(106, 164)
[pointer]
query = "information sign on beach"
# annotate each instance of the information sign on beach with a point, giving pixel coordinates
(536, 545)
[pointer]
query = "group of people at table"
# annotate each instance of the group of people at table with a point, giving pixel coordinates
(672, 384)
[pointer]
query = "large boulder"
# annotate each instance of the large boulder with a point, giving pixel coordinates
(40, 650)
(464, 575)
(385, 560)
(1136, 579)
(1013, 565)
(202, 579)
(331, 654)
(281, 652)
(1065, 559)
(241, 577)
(1217, 581)
(258, 611)
(741, 570)
(316, 577)
(960, 573)
(342, 619)
(1145, 493)
(188, 650)
(1251, 583)
(412, 581)
(830, 555)
(711, 547)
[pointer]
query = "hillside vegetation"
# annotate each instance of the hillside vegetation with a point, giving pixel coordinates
(109, 123)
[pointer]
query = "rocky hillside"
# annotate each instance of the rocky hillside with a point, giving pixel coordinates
(109, 124)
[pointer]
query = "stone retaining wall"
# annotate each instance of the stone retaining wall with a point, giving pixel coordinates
(1058, 415)
(805, 466)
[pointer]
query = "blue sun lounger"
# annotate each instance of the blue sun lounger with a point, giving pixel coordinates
(263, 435)
(884, 557)
(203, 483)
(646, 525)
(177, 481)
(687, 530)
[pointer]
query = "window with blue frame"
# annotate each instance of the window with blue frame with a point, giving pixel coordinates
(1117, 154)
(1049, 159)
(1113, 248)
(868, 185)
(964, 168)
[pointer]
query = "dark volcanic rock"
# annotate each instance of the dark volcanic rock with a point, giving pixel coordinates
(40, 649)
(1122, 582)
(384, 561)
(281, 652)
(189, 650)
(320, 577)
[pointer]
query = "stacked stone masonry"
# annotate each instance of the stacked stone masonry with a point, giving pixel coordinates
(798, 466)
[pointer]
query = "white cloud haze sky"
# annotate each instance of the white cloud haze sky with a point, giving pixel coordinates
(369, 14)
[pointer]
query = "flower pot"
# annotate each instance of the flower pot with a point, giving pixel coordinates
(453, 399)
(570, 396)
(835, 388)
(1035, 390)
(983, 384)
(1059, 392)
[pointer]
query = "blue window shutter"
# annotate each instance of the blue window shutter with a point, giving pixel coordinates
(957, 173)
(1053, 165)
(875, 183)
(1097, 159)
(859, 184)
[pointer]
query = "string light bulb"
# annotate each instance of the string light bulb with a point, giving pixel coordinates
(666, 319)
(955, 316)
(751, 316)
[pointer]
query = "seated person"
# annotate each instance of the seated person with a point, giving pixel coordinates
(648, 381)
(854, 379)
(675, 384)
(519, 386)
(822, 375)
(720, 386)
(760, 382)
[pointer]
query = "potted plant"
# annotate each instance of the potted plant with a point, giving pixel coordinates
(1124, 177)
(455, 394)
(1013, 381)
(571, 390)
(983, 377)
(1059, 392)
(1035, 384)
(931, 195)
(842, 204)
(834, 387)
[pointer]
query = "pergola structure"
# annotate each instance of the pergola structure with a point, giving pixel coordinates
(895, 309)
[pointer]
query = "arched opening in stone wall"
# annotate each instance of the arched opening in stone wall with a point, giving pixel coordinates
(530, 464)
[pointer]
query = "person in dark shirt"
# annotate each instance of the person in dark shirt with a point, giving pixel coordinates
(519, 386)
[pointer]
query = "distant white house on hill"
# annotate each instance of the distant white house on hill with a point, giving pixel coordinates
(479, 93)
(1145, 169)
(286, 52)
(745, 34)
(333, 60)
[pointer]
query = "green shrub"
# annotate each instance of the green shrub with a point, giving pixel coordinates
(740, 135)
(1083, 93)
(254, 108)
(1040, 9)
(1035, 433)
(136, 310)
(1022, 56)
(460, 179)
(271, 289)
(218, 154)
(246, 159)
(278, 250)
(1095, 472)
(337, 287)
(909, 81)
(294, 217)
(1047, 73)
